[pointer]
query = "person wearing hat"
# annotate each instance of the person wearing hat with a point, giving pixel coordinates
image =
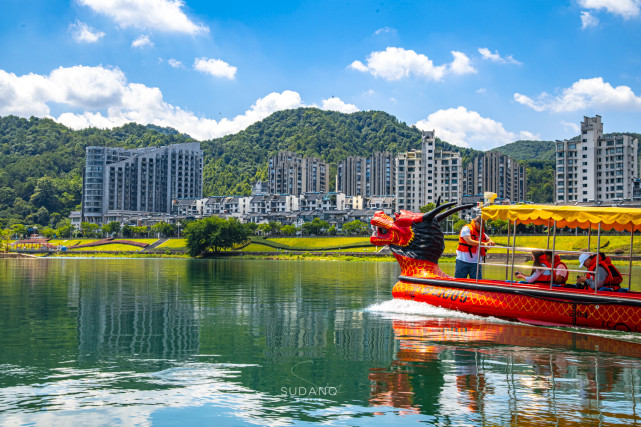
(588, 261)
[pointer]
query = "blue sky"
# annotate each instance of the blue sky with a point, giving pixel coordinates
(481, 73)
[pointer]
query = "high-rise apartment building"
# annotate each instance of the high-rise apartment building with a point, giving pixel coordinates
(289, 173)
(422, 176)
(366, 176)
(497, 173)
(140, 180)
(595, 167)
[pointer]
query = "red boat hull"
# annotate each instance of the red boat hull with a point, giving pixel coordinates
(526, 303)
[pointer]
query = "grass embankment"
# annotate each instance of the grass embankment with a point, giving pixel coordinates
(335, 247)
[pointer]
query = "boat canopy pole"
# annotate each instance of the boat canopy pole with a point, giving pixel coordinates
(552, 263)
(589, 234)
(513, 249)
(507, 251)
(630, 268)
(548, 244)
(478, 249)
(596, 269)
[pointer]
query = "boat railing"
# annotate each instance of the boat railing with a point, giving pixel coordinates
(512, 249)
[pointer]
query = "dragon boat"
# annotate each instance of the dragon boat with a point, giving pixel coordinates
(417, 242)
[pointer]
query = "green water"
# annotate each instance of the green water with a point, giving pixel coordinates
(236, 342)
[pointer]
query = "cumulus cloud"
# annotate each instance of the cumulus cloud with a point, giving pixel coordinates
(495, 57)
(587, 20)
(215, 67)
(624, 8)
(465, 128)
(175, 63)
(160, 15)
(107, 100)
(336, 104)
(583, 94)
(142, 41)
(83, 33)
(395, 63)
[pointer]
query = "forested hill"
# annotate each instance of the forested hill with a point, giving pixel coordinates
(529, 150)
(41, 161)
(41, 164)
(236, 161)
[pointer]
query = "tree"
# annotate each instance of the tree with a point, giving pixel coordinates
(214, 234)
(19, 230)
(264, 228)
(315, 227)
(163, 228)
(289, 230)
(276, 226)
(112, 228)
(458, 225)
(354, 228)
(88, 229)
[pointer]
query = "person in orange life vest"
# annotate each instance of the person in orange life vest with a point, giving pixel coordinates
(542, 275)
(601, 274)
(467, 252)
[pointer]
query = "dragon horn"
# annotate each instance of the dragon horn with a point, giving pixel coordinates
(438, 201)
(431, 214)
(445, 214)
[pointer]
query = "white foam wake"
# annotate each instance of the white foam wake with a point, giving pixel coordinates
(412, 310)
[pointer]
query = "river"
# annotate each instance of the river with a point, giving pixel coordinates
(252, 342)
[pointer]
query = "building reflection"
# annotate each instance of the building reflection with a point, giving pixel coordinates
(146, 318)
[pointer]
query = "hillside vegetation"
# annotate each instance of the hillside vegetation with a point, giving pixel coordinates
(41, 161)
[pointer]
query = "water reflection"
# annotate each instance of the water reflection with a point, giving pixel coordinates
(509, 373)
(276, 343)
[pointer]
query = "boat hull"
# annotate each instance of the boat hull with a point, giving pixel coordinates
(527, 304)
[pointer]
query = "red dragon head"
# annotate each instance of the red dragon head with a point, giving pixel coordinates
(413, 235)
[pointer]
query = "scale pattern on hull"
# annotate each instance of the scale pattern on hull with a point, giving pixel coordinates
(523, 308)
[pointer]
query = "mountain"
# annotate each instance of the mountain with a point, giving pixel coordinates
(41, 161)
(234, 162)
(529, 150)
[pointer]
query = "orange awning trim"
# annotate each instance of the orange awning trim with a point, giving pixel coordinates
(620, 219)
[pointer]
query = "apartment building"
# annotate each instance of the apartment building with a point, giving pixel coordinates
(596, 167)
(497, 173)
(422, 176)
(291, 174)
(366, 176)
(139, 180)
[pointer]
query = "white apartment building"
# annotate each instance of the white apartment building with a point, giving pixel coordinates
(422, 176)
(595, 167)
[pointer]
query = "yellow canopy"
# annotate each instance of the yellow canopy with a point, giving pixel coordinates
(585, 217)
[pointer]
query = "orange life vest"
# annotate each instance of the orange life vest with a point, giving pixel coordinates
(474, 234)
(614, 278)
(558, 264)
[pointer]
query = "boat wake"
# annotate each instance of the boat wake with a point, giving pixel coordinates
(400, 309)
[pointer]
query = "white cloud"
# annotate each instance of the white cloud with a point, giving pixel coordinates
(385, 30)
(583, 94)
(336, 104)
(175, 63)
(570, 126)
(481, 91)
(587, 20)
(107, 100)
(495, 57)
(625, 8)
(465, 128)
(142, 41)
(160, 15)
(395, 63)
(83, 33)
(215, 67)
